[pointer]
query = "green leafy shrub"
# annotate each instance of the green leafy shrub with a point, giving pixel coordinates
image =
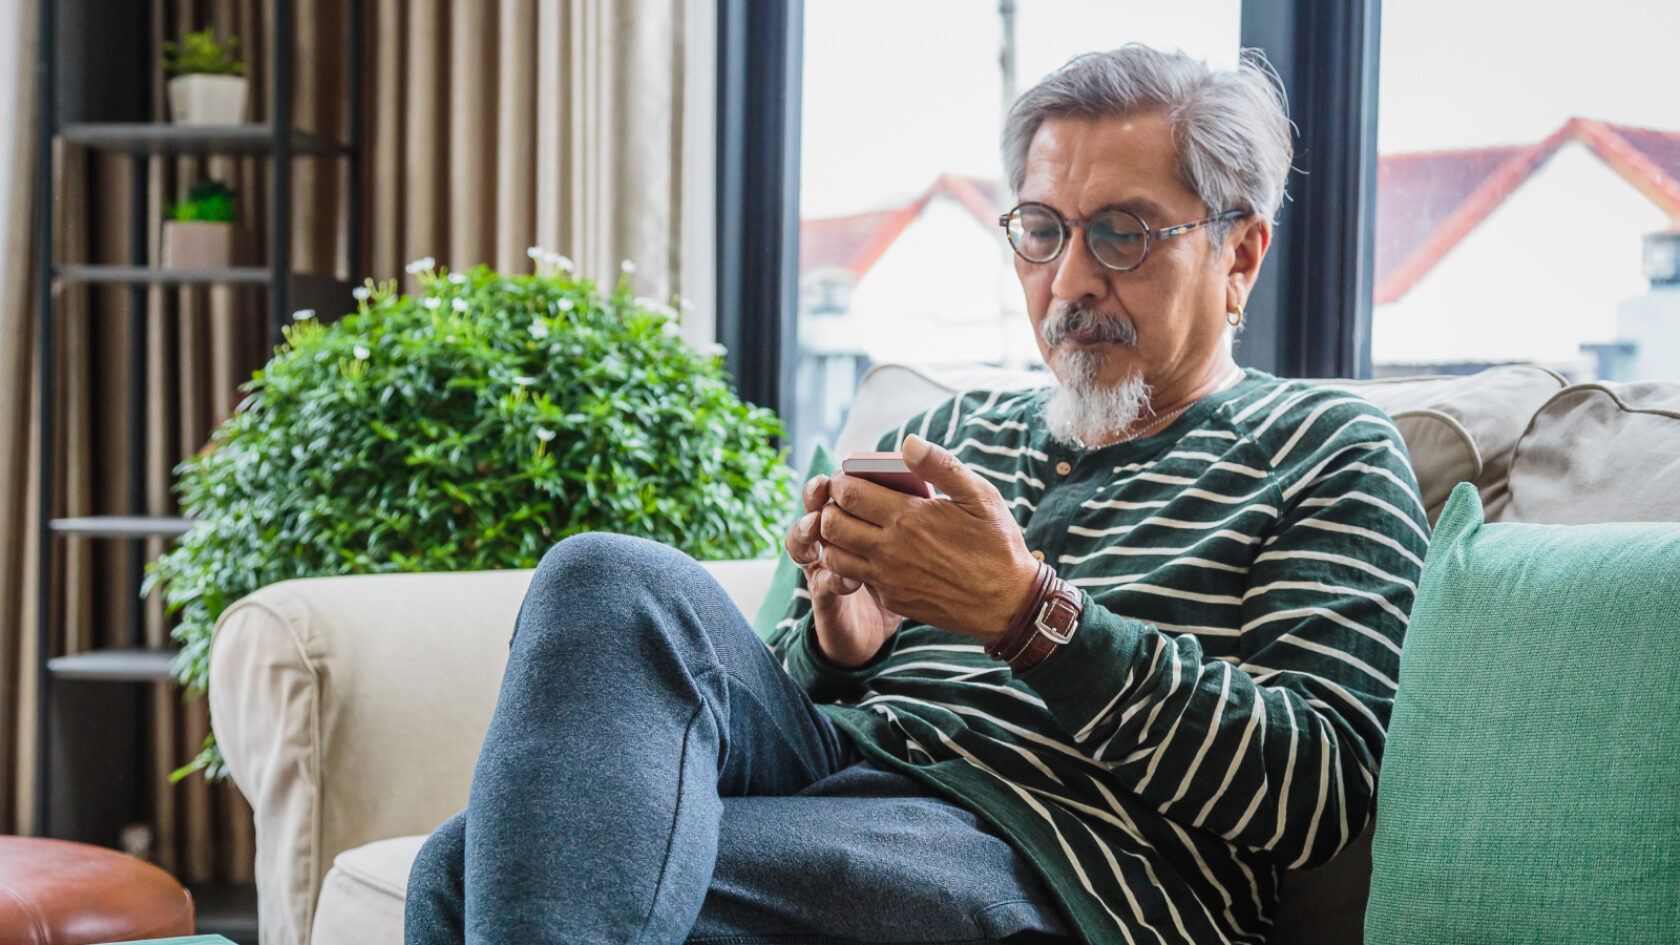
(469, 427)
(208, 201)
(199, 54)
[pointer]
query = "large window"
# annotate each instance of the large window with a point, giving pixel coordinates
(901, 180)
(1528, 188)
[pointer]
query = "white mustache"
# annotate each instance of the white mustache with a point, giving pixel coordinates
(1078, 318)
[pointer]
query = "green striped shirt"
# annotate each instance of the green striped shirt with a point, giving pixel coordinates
(1219, 717)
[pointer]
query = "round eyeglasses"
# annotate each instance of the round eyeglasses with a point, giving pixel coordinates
(1118, 239)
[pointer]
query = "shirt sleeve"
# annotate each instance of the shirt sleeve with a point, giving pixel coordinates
(1278, 752)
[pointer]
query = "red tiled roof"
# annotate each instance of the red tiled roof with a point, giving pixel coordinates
(1644, 157)
(855, 242)
(1427, 202)
(1416, 193)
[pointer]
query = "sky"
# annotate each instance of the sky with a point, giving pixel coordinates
(898, 91)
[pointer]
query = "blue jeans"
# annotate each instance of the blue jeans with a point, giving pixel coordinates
(651, 774)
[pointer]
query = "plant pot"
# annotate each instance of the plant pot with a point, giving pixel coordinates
(192, 245)
(207, 99)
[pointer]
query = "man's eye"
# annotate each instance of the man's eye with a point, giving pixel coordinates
(1116, 237)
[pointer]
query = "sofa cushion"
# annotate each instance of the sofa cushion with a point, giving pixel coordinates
(1461, 428)
(889, 394)
(1527, 788)
(362, 898)
(1600, 453)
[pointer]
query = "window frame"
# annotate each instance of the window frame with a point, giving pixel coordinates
(1309, 316)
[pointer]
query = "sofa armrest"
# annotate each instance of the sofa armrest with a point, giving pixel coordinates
(352, 709)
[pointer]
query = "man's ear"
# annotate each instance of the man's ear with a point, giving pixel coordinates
(1244, 251)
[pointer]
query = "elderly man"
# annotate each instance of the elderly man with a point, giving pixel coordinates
(1132, 663)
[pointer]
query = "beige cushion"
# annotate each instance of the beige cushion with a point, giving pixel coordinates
(1600, 453)
(889, 394)
(362, 899)
(351, 709)
(1461, 428)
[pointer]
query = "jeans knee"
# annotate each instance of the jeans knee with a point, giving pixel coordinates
(597, 559)
(438, 867)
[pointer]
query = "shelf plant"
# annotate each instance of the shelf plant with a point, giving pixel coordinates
(209, 86)
(469, 426)
(200, 230)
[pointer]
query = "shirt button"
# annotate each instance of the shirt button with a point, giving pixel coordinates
(1038, 555)
(1063, 468)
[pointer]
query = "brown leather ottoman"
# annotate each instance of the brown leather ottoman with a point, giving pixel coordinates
(58, 893)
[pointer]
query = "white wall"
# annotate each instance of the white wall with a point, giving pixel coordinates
(1543, 274)
(933, 296)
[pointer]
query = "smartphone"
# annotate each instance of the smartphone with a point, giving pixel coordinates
(886, 469)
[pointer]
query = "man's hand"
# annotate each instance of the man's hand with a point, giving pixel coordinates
(850, 621)
(957, 562)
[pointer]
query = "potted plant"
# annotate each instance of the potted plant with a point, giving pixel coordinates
(199, 232)
(468, 427)
(209, 87)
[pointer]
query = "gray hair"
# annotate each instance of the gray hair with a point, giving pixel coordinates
(1230, 127)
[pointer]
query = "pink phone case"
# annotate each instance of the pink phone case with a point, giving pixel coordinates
(886, 469)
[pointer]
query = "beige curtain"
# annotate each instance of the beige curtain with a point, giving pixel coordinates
(576, 125)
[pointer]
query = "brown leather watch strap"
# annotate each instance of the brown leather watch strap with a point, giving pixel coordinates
(1048, 621)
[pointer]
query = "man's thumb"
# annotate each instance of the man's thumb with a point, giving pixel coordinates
(940, 468)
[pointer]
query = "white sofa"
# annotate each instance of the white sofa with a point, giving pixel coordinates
(351, 709)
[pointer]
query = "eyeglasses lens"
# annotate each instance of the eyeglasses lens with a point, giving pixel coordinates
(1036, 234)
(1117, 239)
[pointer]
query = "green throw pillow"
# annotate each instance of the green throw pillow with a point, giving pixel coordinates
(776, 600)
(1530, 790)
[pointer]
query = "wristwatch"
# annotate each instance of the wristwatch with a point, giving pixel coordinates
(1049, 621)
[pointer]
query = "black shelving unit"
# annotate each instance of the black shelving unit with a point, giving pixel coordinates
(227, 910)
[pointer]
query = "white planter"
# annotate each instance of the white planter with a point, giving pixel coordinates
(207, 99)
(195, 245)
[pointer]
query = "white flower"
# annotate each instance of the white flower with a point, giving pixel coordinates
(683, 303)
(671, 328)
(361, 352)
(524, 381)
(449, 338)
(460, 305)
(361, 293)
(565, 305)
(535, 252)
(457, 277)
(713, 348)
(432, 302)
(544, 434)
(562, 263)
(303, 314)
(423, 264)
(539, 329)
(627, 266)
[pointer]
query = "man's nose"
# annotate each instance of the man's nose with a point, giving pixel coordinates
(1078, 274)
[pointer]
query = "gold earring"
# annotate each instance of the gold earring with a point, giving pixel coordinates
(1237, 321)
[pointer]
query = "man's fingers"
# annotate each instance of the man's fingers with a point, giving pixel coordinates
(801, 540)
(816, 493)
(840, 527)
(844, 564)
(939, 466)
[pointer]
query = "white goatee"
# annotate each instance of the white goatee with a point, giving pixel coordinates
(1081, 411)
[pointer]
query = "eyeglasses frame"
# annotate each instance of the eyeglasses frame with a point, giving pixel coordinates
(1149, 235)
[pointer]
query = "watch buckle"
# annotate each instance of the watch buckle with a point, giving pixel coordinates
(1055, 635)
